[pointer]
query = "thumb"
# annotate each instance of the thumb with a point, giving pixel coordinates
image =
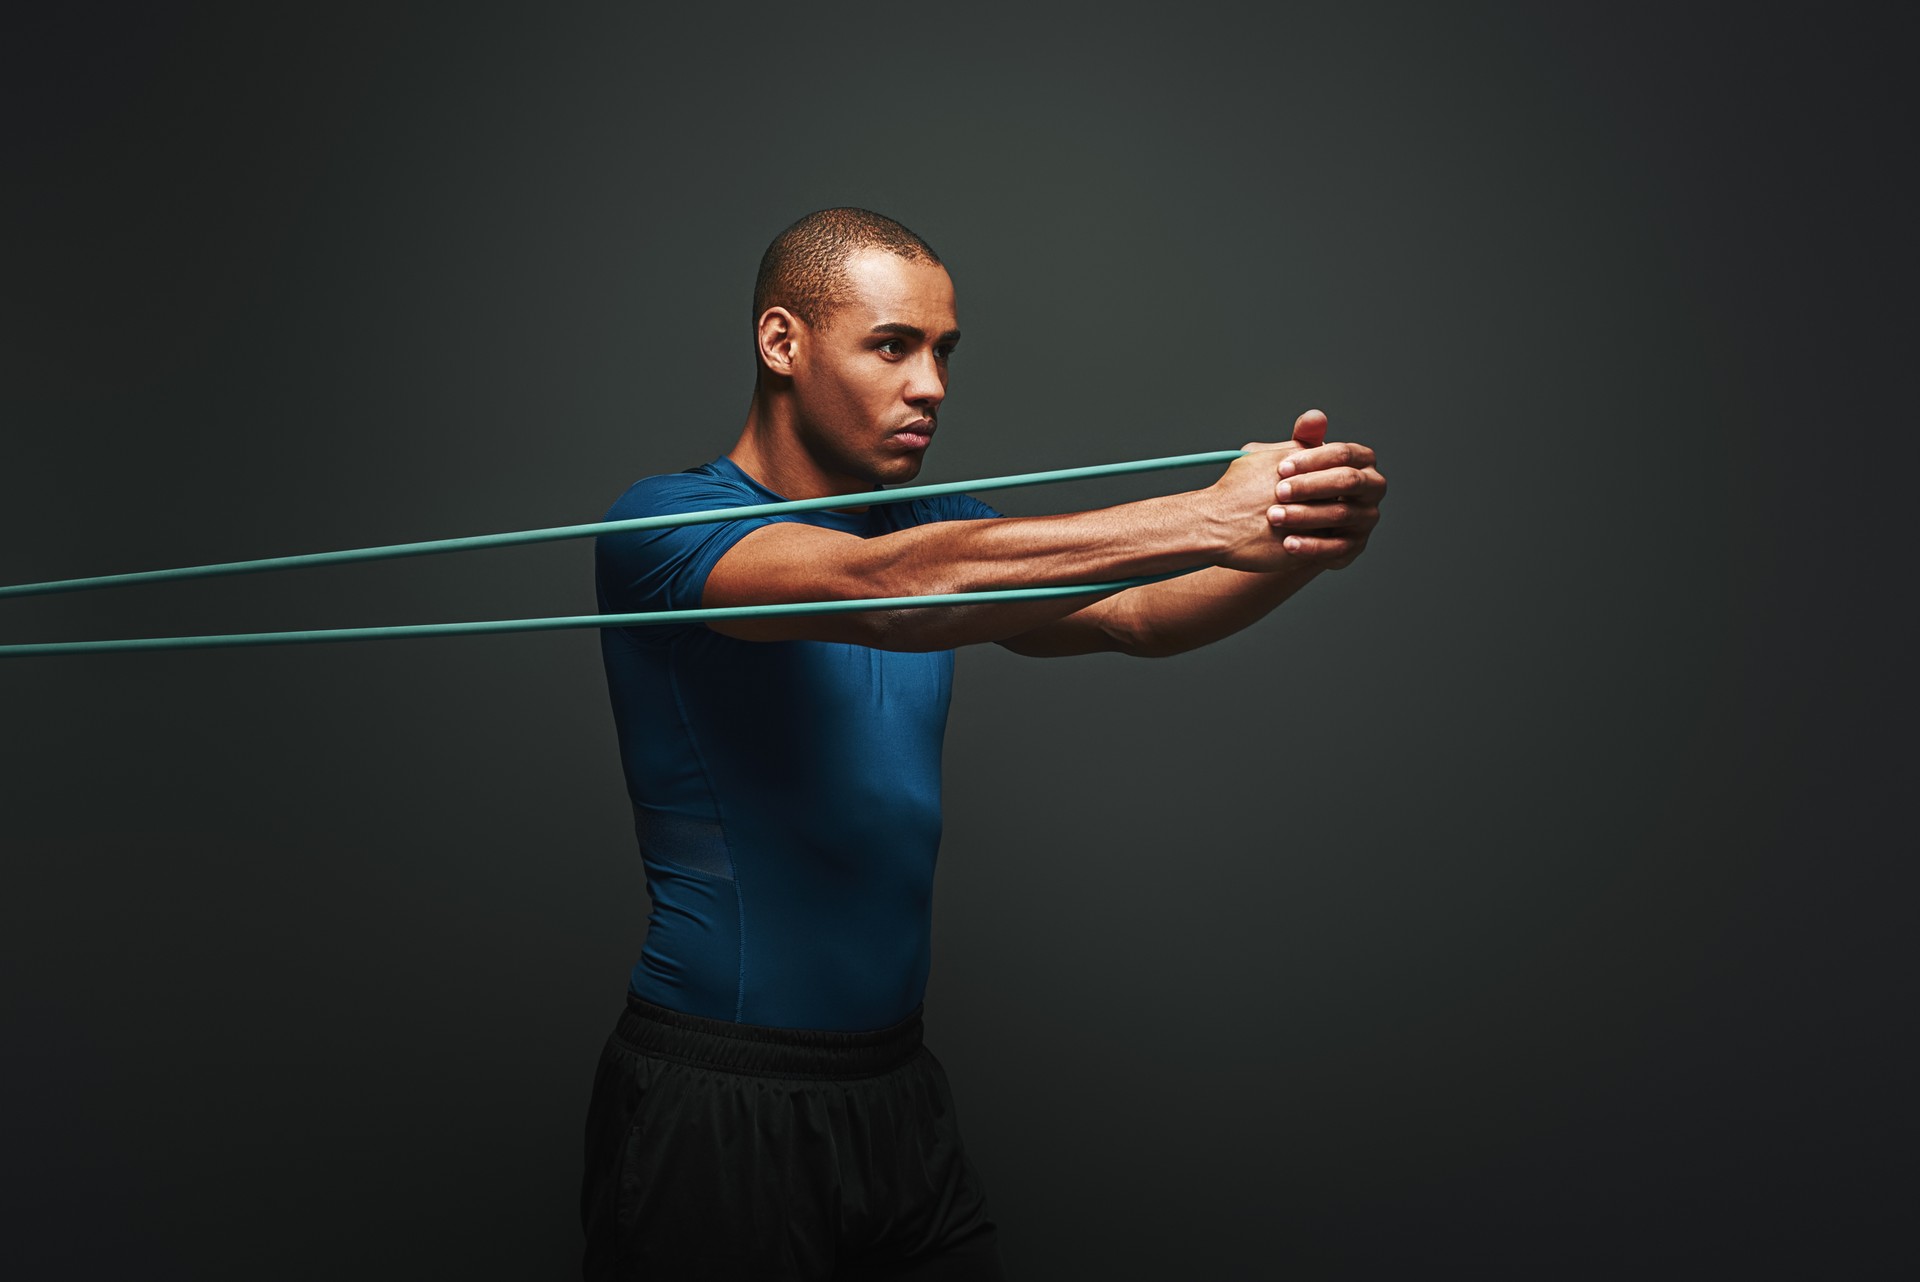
(1310, 429)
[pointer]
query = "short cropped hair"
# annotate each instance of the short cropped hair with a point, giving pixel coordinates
(805, 268)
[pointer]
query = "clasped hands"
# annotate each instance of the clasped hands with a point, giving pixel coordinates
(1323, 501)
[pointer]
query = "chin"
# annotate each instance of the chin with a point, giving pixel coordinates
(897, 471)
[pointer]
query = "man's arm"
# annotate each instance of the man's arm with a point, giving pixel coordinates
(1226, 524)
(1260, 542)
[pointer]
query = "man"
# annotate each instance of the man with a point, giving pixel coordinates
(765, 1107)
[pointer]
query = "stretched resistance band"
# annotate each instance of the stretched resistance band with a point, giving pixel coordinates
(555, 533)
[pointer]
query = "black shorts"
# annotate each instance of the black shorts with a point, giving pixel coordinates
(718, 1150)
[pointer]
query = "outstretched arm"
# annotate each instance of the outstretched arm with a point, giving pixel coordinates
(1328, 502)
(1227, 524)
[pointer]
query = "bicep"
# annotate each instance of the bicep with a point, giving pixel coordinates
(785, 562)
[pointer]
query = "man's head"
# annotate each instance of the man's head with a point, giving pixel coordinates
(854, 321)
(805, 268)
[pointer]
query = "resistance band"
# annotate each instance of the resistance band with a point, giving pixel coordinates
(555, 533)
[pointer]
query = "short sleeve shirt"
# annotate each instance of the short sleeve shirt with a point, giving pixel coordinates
(786, 793)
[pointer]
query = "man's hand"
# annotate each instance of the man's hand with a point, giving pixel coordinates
(1320, 501)
(1327, 499)
(1284, 512)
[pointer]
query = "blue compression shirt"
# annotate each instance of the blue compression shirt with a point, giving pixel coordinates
(786, 793)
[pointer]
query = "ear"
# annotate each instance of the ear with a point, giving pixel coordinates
(778, 336)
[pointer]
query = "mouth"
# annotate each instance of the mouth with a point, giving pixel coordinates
(916, 435)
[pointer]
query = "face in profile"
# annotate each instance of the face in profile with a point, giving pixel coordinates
(869, 380)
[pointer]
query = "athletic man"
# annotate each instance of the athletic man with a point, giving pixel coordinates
(764, 1107)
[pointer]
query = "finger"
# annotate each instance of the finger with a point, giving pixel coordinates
(1258, 447)
(1337, 483)
(1338, 454)
(1323, 518)
(1323, 547)
(1310, 429)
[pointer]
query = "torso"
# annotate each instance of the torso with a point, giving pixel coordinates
(786, 794)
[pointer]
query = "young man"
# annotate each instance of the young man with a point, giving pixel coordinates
(765, 1107)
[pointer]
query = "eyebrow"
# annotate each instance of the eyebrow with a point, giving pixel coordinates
(913, 331)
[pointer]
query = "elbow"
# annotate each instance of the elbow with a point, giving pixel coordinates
(1152, 647)
(909, 629)
(902, 631)
(1132, 631)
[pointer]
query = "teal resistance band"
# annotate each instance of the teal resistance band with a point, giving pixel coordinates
(477, 541)
(583, 531)
(571, 621)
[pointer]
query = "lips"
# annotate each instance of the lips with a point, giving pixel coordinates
(916, 435)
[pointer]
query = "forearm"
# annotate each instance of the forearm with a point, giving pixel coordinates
(948, 627)
(1157, 620)
(1152, 536)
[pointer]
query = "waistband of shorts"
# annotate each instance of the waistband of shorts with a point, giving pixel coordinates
(756, 1048)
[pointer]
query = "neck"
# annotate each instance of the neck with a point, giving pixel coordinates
(771, 451)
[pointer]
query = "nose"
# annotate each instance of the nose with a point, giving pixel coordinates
(926, 383)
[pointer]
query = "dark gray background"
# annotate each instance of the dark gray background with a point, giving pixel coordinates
(1516, 902)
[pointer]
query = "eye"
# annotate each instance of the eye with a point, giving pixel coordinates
(892, 347)
(944, 351)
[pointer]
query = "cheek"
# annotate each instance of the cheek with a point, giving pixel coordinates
(872, 388)
(823, 387)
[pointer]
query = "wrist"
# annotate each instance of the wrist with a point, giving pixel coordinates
(1206, 517)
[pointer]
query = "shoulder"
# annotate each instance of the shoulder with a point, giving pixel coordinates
(694, 490)
(664, 565)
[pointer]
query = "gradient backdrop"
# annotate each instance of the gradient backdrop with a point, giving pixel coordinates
(1516, 903)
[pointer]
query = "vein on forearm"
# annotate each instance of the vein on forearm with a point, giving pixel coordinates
(1154, 536)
